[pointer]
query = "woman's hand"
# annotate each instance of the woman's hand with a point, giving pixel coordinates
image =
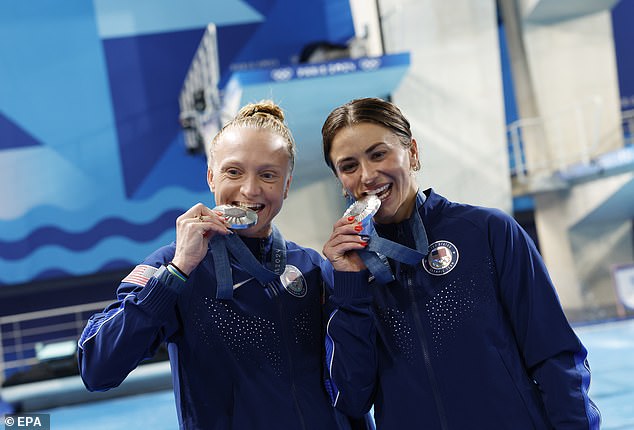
(344, 241)
(194, 230)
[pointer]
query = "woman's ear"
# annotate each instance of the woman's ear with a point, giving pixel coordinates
(210, 180)
(414, 161)
(287, 186)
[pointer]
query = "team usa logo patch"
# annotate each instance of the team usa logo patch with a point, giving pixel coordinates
(293, 281)
(442, 258)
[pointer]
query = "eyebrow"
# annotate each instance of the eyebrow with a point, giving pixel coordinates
(367, 151)
(236, 162)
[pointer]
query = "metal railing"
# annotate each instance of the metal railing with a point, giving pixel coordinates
(551, 138)
(579, 123)
(22, 334)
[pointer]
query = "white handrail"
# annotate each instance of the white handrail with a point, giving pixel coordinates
(54, 312)
(584, 121)
(11, 329)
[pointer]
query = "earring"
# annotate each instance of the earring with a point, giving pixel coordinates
(345, 193)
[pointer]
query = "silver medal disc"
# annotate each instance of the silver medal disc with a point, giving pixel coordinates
(238, 217)
(364, 208)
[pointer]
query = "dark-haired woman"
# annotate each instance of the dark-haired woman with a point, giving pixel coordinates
(445, 316)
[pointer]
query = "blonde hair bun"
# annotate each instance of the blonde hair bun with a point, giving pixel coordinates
(261, 108)
(263, 115)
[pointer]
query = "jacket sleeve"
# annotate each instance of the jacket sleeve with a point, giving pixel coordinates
(129, 330)
(553, 355)
(351, 357)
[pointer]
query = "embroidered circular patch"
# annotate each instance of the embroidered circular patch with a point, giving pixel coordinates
(294, 281)
(442, 258)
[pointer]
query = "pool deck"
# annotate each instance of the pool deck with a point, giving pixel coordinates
(611, 356)
(610, 353)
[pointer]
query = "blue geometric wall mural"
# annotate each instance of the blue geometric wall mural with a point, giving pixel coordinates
(14, 136)
(89, 133)
(146, 75)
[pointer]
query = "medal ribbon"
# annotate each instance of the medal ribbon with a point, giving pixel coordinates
(223, 246)
(378, 247)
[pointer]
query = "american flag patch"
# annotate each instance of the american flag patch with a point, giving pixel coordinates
(140, 275)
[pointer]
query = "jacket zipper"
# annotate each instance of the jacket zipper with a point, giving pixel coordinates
(423, 343)
(290, 362)
(284, 339)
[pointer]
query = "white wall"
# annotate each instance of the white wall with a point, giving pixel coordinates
(453, 96)
(573, 64)
(310, 211)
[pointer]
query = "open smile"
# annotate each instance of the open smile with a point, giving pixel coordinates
(382, 192)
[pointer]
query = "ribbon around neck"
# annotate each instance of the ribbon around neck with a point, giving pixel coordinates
(223, 246)
(374, 256)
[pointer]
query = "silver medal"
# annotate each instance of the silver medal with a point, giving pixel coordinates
(363, 209)
(238, 217)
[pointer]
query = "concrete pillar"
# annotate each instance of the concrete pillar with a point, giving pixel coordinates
(551, 220)
(581, 242)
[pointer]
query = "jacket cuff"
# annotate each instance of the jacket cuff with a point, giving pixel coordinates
(351, 285)
(161, 292)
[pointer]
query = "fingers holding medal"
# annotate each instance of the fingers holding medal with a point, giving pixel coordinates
(349, 234)
(194, 230)
(219, 219)
(202, 221)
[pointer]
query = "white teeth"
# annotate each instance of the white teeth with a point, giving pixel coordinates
(252, 206)
(378, 190)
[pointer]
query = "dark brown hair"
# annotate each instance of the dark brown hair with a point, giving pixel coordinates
(373, 110)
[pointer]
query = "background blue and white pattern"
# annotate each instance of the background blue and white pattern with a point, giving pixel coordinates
(93, 164)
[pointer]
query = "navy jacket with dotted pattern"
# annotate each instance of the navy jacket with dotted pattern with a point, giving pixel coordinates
(254, 362)
(483, 346)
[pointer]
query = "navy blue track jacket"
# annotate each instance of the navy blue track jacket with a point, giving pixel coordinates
(254, 362)
(474, 338)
